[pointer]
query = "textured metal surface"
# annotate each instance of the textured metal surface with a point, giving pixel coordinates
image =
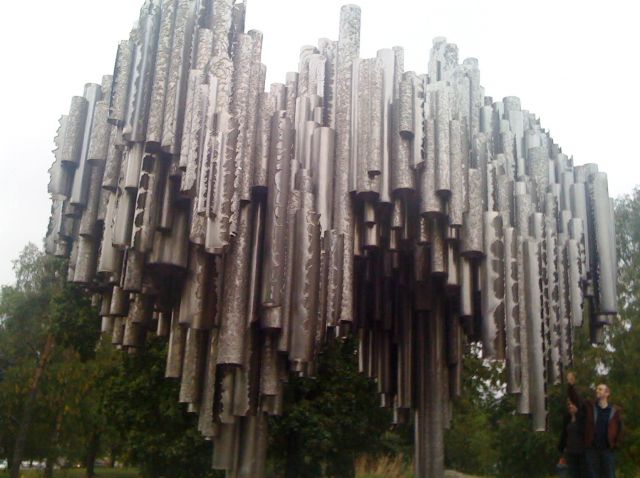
(492, 287)
(249, 227)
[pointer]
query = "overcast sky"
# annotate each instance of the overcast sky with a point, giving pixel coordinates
(572, 62)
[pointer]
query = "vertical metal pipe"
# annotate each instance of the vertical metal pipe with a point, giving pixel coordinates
(348, 49)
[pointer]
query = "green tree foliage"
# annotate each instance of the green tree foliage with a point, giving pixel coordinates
(158, 435)
(521, 451)
(48, 331)
(468, 443)
(329, 420)
(486, 436)
(25, 317)
(42, 302)
(91, 400)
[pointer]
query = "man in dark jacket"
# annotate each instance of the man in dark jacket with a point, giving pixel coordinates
(602, 430)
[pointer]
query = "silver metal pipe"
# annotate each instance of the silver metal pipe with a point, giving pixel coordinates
(120, 87)
(492, 288)
(233, 328)
(535, 334)
(275, 227)
(605, 255)
(177, 76)
(145, 43)
(443, 160)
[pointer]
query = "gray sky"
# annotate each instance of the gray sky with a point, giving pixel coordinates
(572, 62)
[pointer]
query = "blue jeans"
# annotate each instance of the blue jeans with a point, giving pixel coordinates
(601, 464)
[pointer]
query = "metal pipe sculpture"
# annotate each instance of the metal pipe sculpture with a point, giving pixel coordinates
(249, 227)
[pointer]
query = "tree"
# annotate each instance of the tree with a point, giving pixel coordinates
(469, 443)
(158, 434)
(328, 420)
(41, 315)
(27, 335)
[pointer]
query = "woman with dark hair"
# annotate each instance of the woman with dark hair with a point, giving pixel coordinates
(572, 440)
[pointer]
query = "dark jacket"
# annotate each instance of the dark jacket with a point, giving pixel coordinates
(580, 417)
(614, 430)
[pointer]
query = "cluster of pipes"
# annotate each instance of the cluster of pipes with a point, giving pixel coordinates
(249, 227)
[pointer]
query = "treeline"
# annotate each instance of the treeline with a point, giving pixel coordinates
(68, 397)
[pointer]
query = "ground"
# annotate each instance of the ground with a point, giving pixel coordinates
(79, 473)
(131, 473)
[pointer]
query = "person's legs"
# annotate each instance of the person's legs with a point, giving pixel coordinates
(582, 466)
(573, 464)
(600, 470)
(608, 464)
(593, 464)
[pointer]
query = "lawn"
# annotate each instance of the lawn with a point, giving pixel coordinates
(394, 467)
(79, 473)
(386, 468)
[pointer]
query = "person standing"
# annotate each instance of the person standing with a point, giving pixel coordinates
(602, 429)
(572, 441)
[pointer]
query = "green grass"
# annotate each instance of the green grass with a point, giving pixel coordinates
(79, 473)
